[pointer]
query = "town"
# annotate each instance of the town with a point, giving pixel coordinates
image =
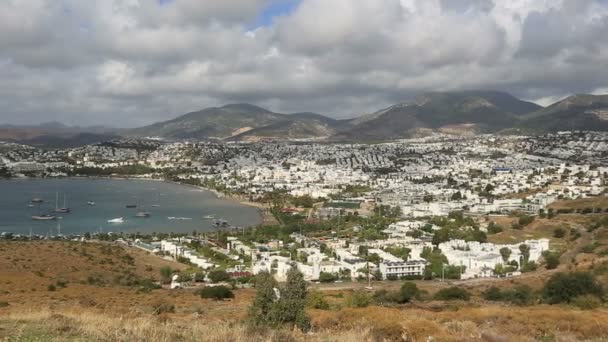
(423, 208)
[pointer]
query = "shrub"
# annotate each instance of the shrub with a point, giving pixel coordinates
(452, 293)
(4, 304)
(407, 292)
(316, 300)
(325, 277)
(493, 294)
(519, 295)
(494, 228)
(165, 274)
(215, 292)
(551, 260)
(217, 276)
(587, 302)
(559, 233)
(564, 287)
(163, 307)
(51, 287)
(358, 299)
(529, 266)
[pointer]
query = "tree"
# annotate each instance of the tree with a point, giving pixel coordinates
(290, 308)
(217, 276)
(525, 252)
(505, 252)
(259, 311)
(494, 228)
(565, 287)
(493, 294)
(358, 299)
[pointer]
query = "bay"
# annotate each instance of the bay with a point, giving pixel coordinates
(161, 199)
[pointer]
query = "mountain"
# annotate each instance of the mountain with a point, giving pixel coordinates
(241, 122)
(467, 111)
(577, 112)
(56, 134)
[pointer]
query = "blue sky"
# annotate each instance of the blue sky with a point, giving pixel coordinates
(276, 8)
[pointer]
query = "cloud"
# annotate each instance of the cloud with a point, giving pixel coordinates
(132, 62)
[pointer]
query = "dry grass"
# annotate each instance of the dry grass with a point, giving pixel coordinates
(582, 203)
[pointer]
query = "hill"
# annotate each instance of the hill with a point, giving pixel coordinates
(475, 111)
(240, 121)
(577, 112)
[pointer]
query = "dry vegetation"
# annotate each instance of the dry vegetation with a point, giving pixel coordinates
(92, 301)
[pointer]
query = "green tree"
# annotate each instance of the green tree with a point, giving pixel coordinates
(215, 292)
(165, 274)
(407, 292)
(260, 309)
(525, 252)
(505, 252)
(551, 260)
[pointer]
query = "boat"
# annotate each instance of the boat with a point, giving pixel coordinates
(131, 206)
(142, 214)
(44, 217)
(178, 218)
(155, 205)
(63, 209)
(91, 203)
(30, 205)
(210, 217)
(220, 223)
(117, 220)
(37, 200)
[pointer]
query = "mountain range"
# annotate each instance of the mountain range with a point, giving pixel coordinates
(461, 112)
(458, 112)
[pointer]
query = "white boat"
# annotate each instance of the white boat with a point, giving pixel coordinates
(210, 217)
(142, 214)
(44, 217)
(117, 220)
(91, 203)
(178, 218)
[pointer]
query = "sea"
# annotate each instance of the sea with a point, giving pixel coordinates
(161, 200)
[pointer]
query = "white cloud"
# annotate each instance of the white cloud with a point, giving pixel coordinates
(139, 61)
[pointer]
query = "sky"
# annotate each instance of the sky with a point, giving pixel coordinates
(126, 63)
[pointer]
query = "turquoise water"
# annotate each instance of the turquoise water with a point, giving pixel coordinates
(160, 199)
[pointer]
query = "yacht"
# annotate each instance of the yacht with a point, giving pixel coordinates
(210, 217)
(178, 218)
(117, 220)
(44, 217)
(37, 200)
(131, 206)
(142, 214)
(91, 203)
(63, 209)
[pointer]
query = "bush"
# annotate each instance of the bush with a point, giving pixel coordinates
(492, 294)
(316, 300)
(163, 307)
(529, 266)
(551, 260)
(217, 276)
(358, 299)
(565, 287)
(325, 277)
(165, 274)
(4, 304)
(587, 302)
(559, 233)
(452, 293)
(407, 292)
(51, 287)
(519, 295)
(215, 292)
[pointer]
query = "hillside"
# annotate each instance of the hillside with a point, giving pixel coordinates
(577, 112)
(473, 111)
(102, 291)
(240, 121)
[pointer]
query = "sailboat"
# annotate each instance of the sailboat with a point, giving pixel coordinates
(43, 217)
(63, 209)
